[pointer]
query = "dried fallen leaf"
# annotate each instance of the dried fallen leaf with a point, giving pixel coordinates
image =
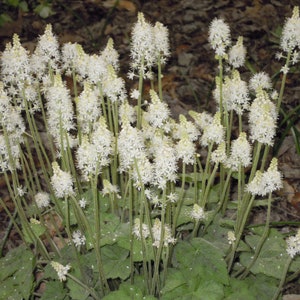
(122, 4)
(296, 202)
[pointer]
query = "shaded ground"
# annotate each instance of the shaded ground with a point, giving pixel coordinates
(189, 74)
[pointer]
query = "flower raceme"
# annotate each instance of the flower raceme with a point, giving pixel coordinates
(61, 270)
(240, 153)
(293, 245)
(150, 46)
(266, 182)
(219, 36)
(262, 118)
(290, 39)
(235, 93)
(62, 182)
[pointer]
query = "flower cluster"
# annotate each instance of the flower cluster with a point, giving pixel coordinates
(293, 245)
(240, 153)
(267, 182)
(262, 118)
(158, 234)
(140, 230)
(219, 36)
(78, 238)
(42, 199)
(61, 270)
(235, 93)
(291, 32)
(62, 182)
(150, 46)
(198, 213)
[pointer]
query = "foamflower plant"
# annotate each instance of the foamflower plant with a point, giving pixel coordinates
(115, 199)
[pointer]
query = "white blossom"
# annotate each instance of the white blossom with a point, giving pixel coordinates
(158, 111)
(60, 112)
(237, 54)
(88, 107)
(42, 199)
(260, 80)
(197, 213)
(140, 231)
(185, 128)
(262, 118)
(165, 161)
(240, 153)
(291, 32)
(272, 178)
(46, 55)
(62, 182)
(142, 46)
(219, 154)
(167, 236)
(293, 245)
(214, 132)
(130, 146)
(161, 41)
(231, 237)
(78, 238)
(15, 65)
(185, 150)
(235, 93)
(219, 36)
(202, 120)
(61, 270)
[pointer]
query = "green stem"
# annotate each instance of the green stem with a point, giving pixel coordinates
(180, 199)
(139, 104)
(159, 79)
(287, 63)
(205, 175)
(283, 277)
(240, 225)
(156, 280)
(103, 281)
(262, 239)
(85, 287)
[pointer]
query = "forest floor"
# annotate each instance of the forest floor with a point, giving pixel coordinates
(189, 74)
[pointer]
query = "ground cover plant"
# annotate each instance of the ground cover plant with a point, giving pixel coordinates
(112, 197)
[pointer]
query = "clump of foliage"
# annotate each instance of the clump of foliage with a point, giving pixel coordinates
(11, 7)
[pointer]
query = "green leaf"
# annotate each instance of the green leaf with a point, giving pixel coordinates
(13, 3)
(214, 194)
(16, 274)
(72, 216)
(44, 10)
(217, 235)
(128, 292)
(37, 229)
(272, 257)
(184, 215)
(110, 226)
(54, 290)
(252, 288)
(202, 258)
(4, 18)
(116, 263)
(181, 285)
(77, 292)
(209, 290)
(137, 248)
(23, 6)
(175, 284)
